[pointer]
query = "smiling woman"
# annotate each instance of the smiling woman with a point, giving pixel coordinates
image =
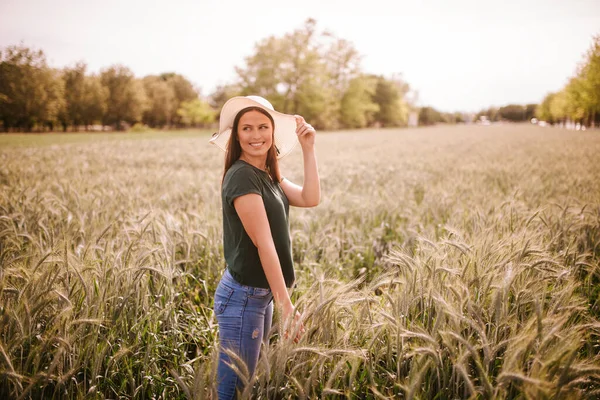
(255, 133)
(256, 234)
(255, 140)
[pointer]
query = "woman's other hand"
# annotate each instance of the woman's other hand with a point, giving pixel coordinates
(306, 133)
(292, 323)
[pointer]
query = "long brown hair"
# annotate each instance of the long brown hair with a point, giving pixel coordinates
(234, 150)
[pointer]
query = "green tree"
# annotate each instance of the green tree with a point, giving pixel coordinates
(459, 118)
(514, 112)
(530, 111)
(74, 79)
(357, 107)
(558, 106)
(579, 100)
(54, 90)
(94, 101)
(430, 116)
(589, 82)
(223, 93)
(196, 112)
(31, 93)
(491, 113)
(393, 110)
(542, 111)
(288, 71)
(304, 72)
(126, 96)
(341, 66)
(161, 101)
(85, 97)
(183, 90)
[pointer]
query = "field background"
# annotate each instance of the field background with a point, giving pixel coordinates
(444, 262)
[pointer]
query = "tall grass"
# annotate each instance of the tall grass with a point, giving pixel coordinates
(442, 263)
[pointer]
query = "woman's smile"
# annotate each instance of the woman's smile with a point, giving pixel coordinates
(255, 134)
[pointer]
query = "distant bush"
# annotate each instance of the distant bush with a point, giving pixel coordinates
(139, 127)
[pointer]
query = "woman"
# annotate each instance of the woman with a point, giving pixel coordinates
(256, 238)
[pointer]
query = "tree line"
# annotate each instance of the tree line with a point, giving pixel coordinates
(35, 96)
(578, 102)
(511, 112)
(307, 72)
(579, 99)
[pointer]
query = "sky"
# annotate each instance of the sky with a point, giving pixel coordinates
(458, 55)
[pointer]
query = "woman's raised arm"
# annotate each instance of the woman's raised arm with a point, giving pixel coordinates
(309, 194)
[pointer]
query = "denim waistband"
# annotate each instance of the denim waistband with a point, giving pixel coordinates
(229, 280)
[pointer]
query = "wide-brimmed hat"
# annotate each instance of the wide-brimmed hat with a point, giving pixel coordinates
(285, 124)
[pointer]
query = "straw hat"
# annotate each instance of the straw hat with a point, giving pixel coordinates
(285, 124)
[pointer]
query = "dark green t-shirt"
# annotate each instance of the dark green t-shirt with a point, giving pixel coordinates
(241, 255)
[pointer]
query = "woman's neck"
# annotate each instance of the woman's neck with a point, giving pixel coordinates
(258, 162)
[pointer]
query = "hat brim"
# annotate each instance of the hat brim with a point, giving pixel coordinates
(285, 137)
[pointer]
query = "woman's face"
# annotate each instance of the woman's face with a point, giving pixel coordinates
(255, 134)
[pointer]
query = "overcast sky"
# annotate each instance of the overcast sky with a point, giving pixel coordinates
(458, 54)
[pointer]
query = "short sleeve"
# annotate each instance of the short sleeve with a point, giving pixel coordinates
(240, 182)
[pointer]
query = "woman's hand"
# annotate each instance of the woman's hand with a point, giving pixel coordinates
(306, 133)
(292, 323)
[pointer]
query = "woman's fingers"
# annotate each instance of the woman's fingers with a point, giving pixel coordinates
(299, 326)
(295, 327)
(304, 128)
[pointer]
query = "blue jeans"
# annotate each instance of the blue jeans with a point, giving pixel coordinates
(244, 314)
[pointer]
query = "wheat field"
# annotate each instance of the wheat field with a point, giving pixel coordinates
(442, 263)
